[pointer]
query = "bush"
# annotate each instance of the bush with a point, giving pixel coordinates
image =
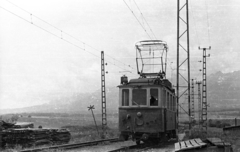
(212, 124)
(218, 124)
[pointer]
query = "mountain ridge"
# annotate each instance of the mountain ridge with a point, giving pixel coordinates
(223, 93)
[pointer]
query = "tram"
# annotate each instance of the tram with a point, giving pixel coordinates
(147, 104)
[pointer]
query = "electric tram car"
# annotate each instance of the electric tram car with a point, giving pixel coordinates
(147, 105)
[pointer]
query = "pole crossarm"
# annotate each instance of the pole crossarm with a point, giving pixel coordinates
(91, 107)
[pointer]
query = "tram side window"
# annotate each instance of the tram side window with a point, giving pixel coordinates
(164, 99)
(139, 97)
(171, 102)
(125, 97)
(153, 97)
(168, 103)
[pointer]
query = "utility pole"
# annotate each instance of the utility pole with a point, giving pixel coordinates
(199, 103)
(183, 50)
(204, 89)
(103, 95)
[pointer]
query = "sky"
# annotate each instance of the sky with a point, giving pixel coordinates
(52, 48)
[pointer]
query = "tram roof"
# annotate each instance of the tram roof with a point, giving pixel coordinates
(148, 82)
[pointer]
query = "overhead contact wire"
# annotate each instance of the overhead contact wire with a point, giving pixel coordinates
(64, 33)
(60, 37)
(137, 19)
(145, 20)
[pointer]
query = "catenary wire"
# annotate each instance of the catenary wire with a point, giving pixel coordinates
(145, 19)
(137, 20)
(66, 33)
(59, 37)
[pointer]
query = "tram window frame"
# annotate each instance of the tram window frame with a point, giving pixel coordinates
(171, 102)
(168, 106)
(139, 95)
(174, 103)
(164, 98)
(125, 102)
(155, 97)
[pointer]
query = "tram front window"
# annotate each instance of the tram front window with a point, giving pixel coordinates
(125, 97)
(153, 97)
(139, 97)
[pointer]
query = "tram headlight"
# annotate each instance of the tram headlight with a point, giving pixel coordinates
(139, 114)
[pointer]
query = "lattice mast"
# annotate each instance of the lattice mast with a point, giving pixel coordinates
(192, 106)
(183, 49)
(199, 103)
(204, 89)
(103, 94)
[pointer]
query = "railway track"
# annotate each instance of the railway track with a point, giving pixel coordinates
(125, 148)
(72, 146)
(165, 146)
(135, 148)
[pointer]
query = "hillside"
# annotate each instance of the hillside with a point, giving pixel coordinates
(224, 90)
(76, 103)
(223, 94)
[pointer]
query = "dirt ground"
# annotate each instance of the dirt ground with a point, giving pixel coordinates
(104, 147)
(112, 146)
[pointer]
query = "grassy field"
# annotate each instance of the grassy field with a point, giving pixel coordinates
(81, 127)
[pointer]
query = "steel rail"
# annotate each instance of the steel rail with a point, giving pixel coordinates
(71, 146)
(124, 148)
(138, 148)
(147, 147)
